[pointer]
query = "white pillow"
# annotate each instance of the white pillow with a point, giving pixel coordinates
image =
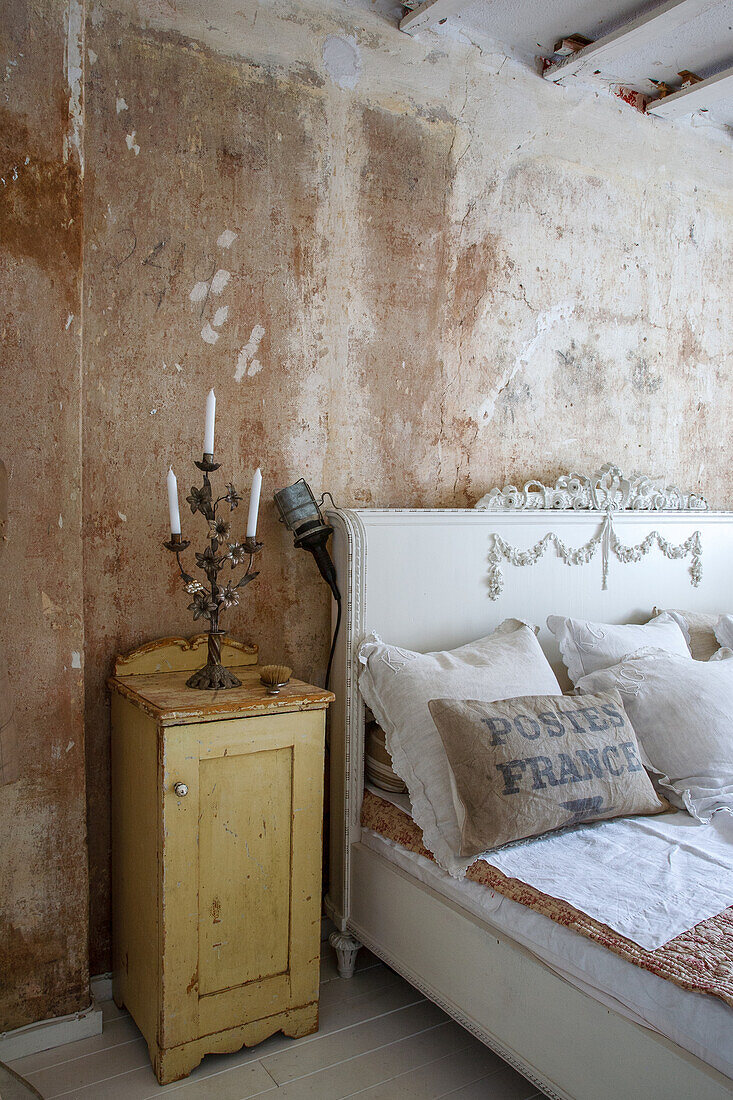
(724, 631)
(698, 628)
(397, 685)
(682, 711)
(586, 647)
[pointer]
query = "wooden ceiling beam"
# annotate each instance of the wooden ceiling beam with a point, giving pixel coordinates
(708, 93)
(429, 13)
(632, 36)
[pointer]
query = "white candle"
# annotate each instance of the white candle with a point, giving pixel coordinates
(254, 503)
(210, 417)
(173, 512)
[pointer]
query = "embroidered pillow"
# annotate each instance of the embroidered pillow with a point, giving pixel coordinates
(724, 631)
(397, 685)
(682, 712)
(586, 647)
(698, 628)
(522, 767)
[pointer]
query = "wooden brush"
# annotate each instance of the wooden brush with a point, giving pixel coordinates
(274, 677)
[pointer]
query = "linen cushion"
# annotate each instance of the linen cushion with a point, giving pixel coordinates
(699, 630)
(586, 647)
(522, 767)
(682, 712)
(378, 762)
(397, 684)
(724, 631)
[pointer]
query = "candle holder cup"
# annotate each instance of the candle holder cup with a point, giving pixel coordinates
(210, 599)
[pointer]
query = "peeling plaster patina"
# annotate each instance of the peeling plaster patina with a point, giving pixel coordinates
(220, 280)
(43, 856)
(342, 61)
(246, 361)
(74, 19)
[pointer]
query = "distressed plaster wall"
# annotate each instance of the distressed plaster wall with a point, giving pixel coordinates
(410, 268)
(43, 859)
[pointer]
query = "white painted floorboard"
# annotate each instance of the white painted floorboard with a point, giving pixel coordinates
(379, 1039)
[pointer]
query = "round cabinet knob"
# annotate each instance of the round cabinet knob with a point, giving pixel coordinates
(180, 789)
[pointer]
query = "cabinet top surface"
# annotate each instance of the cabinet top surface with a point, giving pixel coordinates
(165, 697)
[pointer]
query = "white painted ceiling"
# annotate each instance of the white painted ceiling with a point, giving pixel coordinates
(530, 28)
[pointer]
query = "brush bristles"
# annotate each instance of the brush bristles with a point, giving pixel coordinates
(275, 674)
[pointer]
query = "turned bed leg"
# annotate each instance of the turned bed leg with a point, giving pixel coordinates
(347, 948)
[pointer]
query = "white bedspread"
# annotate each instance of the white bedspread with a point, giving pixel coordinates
(649, 878)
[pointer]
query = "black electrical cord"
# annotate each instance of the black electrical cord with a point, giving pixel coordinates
(331, 581)
(333, 643)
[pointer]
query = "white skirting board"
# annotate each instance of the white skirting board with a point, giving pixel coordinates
(46, 1034)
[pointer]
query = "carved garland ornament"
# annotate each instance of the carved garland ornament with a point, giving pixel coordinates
(607, 491)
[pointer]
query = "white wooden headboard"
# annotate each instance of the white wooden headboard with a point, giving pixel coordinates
(420, 579)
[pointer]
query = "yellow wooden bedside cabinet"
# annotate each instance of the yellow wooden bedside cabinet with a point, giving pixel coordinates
(216, 849)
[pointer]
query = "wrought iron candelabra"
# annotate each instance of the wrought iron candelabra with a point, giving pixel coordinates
(209, 600)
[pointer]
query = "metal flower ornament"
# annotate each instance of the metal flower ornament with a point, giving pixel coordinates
(210, 599)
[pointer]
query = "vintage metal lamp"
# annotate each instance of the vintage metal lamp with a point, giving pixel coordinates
(301, 514)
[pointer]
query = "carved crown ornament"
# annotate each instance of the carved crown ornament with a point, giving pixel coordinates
(608, 490)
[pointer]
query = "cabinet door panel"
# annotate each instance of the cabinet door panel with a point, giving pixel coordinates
(245, 813)
(241, 871)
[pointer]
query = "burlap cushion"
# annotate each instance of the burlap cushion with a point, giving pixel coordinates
(525, 766)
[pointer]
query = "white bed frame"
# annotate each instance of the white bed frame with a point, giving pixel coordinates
(420, 580)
